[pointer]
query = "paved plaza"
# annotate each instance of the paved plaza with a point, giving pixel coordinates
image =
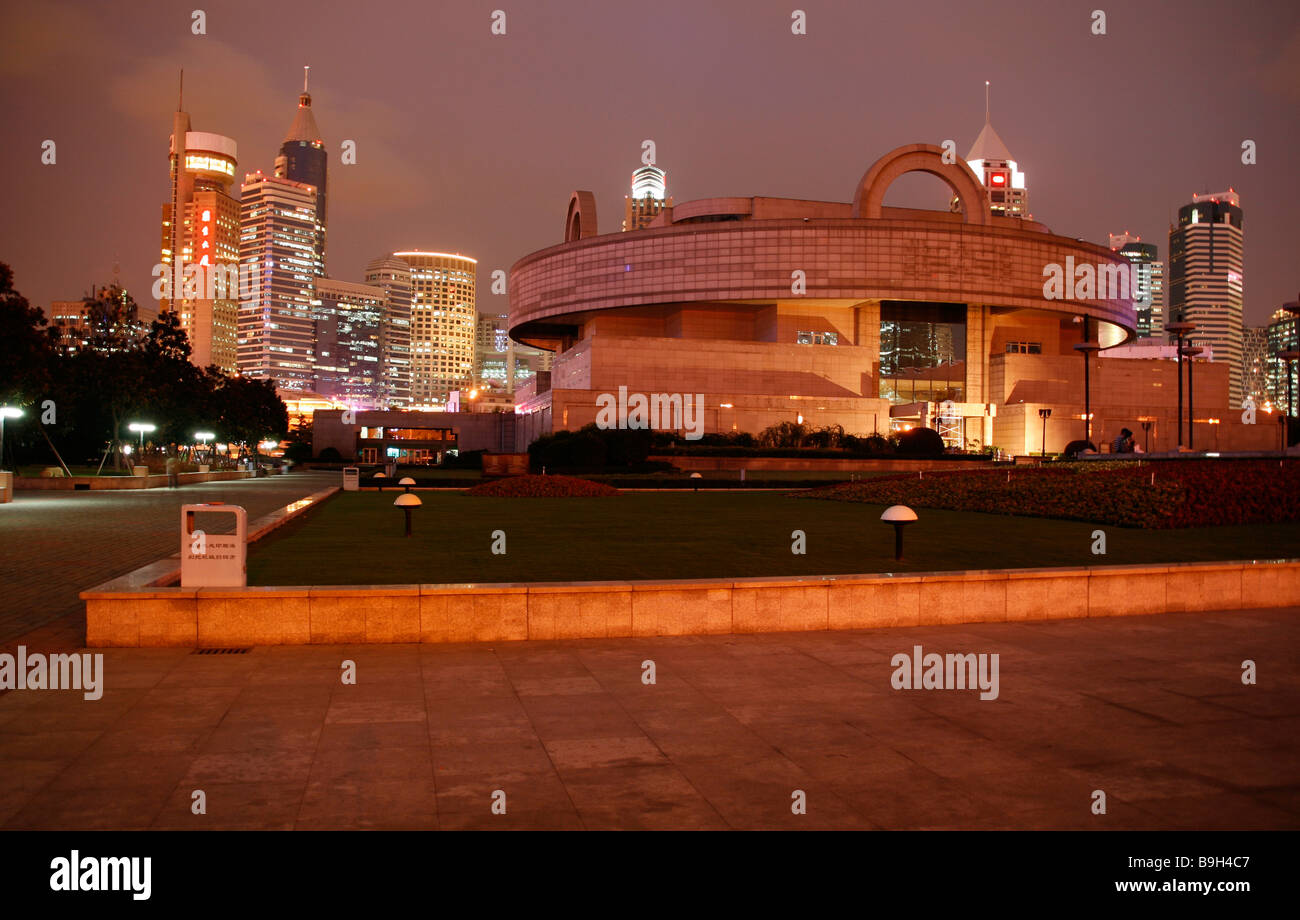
(57, 543)
(1149, 709)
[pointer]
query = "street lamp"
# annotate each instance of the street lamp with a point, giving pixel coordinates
(1087, 348)
(1146, 428)
(900, 516)
(1214, 422)
(1180, 329)
(408, 502)
(1191, 351)
(1044, 414)
(142, 428)
(406, 482)
(6, 412)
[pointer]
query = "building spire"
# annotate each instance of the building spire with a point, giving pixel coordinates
(305, 69)
(987, 120)
(180, 96)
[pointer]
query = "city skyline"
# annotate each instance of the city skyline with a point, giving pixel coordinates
(492, 191)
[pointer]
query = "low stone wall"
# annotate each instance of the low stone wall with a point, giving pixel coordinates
(152, 481)
(814, 464)
(237, 617)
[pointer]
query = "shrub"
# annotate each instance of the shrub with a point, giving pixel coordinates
(920, 442)
(330, 455)
(1074, 448)
(542, 487)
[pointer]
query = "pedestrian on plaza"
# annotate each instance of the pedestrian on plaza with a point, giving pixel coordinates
(1123, 444)
(173, 472)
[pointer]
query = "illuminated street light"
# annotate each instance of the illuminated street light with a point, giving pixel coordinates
(142, 428)
(900, 516)
(6, 412)
(1044, 414)
(408, 502)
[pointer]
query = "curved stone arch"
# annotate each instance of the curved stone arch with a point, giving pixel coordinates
(580, 220)
(925, 158)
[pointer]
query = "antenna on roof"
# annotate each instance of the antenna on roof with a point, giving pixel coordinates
(986, 100)
(304, 77)
(180, 96)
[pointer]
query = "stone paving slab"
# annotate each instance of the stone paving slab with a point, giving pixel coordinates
(1149, 709)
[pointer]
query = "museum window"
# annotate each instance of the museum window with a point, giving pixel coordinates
(817, 338)
(922, 351)
(1024, 348)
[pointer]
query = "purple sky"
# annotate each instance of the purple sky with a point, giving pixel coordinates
(471, 143)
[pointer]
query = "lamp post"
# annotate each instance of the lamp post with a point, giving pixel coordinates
(204, 437)
(406, 482)
(408, 502)
(1087, 349)
(1146, 428)
(1044, 414)
(142, 428)
(1214, 426)
(1191, 351)
(900, 516)
(6, 412)
(1180, 329)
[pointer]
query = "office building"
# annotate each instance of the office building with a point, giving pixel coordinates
(393, 276)
(443, 322)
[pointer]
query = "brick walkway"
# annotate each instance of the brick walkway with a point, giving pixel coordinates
(57, 544)
(1151, 710)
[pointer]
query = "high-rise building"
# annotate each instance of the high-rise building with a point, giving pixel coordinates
(200, 243)
(303, 159)
(443, 320)
(502, 362)
(1254, 364)
(349, 358)
(277, 252)
(1283, 334)
(993, 164)
(1206, 277)
(393, 277)
(649, 197)
(1148, 282)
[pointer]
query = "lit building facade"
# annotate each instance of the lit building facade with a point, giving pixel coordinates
(200, 244)
(393, 276)
(649, 197)
(278, 257)
(443, 324)
(303, 159)
(1148, 282)
(844, 313)
(349, 345)
(1283, 335)
(1254, 364)
(1003, 181)
(1206, 277)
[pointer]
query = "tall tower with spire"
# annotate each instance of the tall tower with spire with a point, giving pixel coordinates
(303, 159)
(990, 159)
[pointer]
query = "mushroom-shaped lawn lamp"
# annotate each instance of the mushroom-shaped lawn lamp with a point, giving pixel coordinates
(899, 516)
(406, 482)
(408, 503)
(379, 480)
(696, 476)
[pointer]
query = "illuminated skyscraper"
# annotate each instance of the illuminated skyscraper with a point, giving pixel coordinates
(200, 228)
(277, 252)
(443, 319)
(992, 163)
(1206, 277)
(393, 276)
(1148, 282)
(649, 197)
(348, 343)
(303, 159)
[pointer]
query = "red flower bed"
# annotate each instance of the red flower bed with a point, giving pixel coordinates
(1186, 493)
(542, 487)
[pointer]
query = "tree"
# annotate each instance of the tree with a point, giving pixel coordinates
(24, 345)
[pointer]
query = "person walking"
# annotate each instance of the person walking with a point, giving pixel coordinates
(173, 472)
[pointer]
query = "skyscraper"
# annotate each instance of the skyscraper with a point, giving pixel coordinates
(649, 197)
(277, 252)
(393, 277)
(443, 318)
(992, 162)
(1254, 364)
(303, 159)
(349, 343)
(200, 228)
(1148, 282)
(1283, 333)
(1206, 277)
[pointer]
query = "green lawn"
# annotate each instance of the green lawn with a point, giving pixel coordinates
(356, 538)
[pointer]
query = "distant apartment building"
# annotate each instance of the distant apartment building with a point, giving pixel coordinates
(349, 340)
(1282, 335)
(278, 254)
(1148, 287)
(1206, 278)
(443, 322)
(1254, 364)
(393, 276)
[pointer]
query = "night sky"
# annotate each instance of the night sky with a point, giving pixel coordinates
(469, 142)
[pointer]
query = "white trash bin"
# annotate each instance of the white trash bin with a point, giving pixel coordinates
(213, 560)
(351, 479)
